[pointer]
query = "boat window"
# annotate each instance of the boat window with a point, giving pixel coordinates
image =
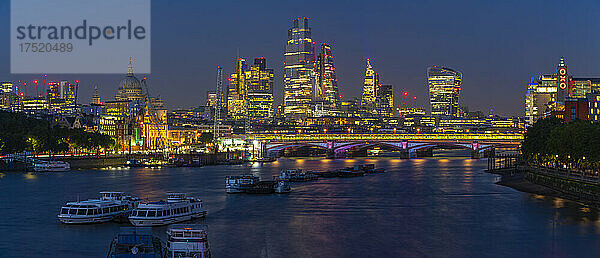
(73, 211)
(105, 210)
(161, 213)
(168, 212)
(81, 211)
(141, 213)
(151, 213)
(64, 211)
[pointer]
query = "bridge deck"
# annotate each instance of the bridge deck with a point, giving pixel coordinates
(488, 137)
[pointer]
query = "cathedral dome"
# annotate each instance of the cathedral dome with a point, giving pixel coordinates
(130, 88)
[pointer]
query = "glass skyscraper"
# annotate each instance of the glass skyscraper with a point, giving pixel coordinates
(259, 83)
(326, 88)
(236, 92)
(299, 70)
(370, 87)
(444, 90)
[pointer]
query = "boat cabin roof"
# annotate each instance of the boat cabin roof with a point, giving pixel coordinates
(187, 231)
(90, 204)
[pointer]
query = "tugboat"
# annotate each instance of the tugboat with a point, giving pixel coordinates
(297, 175)
(188, 241)
(356, 170)
(281, 185)
(177, 208)
(110, 206)
(370, 169)
(135, 242)
(239, 184)
(328, 174)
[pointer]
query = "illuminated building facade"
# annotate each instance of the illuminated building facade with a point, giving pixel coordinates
(539, 94)
(35, 105)
(560, 95)
(593, 101)
(326, 93)
(153, 125)
(237, 98)
(6, 87)
(370, 87)
(61, 97)
(385, 100)
(116, 121)
(259, 83)
(299, 70)
(444, 90)
(96, 97)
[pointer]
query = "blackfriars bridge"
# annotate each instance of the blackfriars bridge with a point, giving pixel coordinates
(410, 145)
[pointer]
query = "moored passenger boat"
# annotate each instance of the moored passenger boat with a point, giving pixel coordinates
(239, 184)
(51, 166)
(136, 242)
(188, 241)
(178, 207)
(110, 206)
(297, 175)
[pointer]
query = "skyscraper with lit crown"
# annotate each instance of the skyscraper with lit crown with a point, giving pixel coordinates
(444, 89)
(299, 70)
(369, 93)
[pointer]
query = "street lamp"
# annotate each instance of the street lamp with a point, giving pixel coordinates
(325, 130)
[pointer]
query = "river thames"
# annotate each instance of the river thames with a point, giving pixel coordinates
(435, 207)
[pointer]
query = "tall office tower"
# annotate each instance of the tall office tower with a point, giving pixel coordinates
(385, 100)
(259, 83)
(369, 93)
(539, 95)
(236, 92)
(326, 92)
(96, 98)
(61, 97)
(299, 70)
(444, 90)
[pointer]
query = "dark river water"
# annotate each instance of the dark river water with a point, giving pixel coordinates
(436, 207)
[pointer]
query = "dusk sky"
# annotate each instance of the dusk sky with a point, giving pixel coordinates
(497, 45)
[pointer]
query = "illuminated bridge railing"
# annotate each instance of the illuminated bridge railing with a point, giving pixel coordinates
(505, 137)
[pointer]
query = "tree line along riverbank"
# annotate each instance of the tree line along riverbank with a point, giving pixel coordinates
(558, 159)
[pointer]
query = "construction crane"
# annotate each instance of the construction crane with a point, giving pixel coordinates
(217, 105)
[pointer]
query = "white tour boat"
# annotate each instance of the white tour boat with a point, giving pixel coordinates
(51, 166)
(111, 205)
(177, 208)
(188, 241)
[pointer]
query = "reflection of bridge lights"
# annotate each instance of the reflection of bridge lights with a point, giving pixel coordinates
(443, 160)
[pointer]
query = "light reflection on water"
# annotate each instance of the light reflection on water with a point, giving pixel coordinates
(420, 207)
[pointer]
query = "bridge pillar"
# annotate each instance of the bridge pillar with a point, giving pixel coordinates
(404, 153)
(330, 150)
